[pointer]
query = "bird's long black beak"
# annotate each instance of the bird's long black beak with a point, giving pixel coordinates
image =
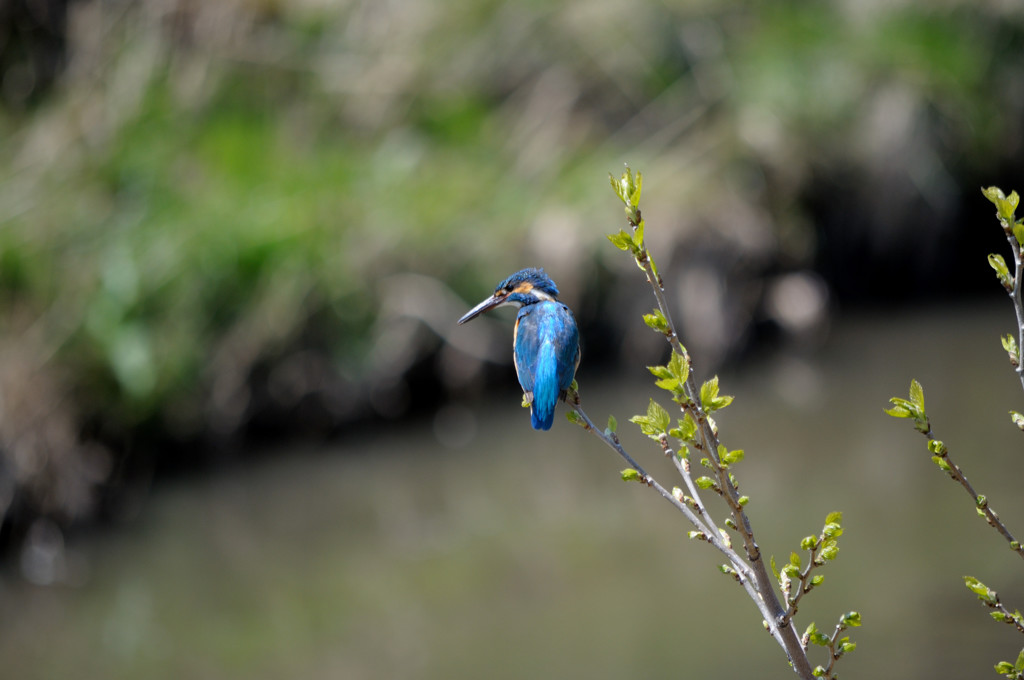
(489, 303)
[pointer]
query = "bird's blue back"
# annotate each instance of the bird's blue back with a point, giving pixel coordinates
(547, 351)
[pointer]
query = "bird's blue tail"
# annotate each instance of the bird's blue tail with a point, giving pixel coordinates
(545, 388)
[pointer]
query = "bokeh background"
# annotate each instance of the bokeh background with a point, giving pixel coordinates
(241, 435)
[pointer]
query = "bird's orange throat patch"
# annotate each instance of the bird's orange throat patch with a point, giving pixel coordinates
(527, 287)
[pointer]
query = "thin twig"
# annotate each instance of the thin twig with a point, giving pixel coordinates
(1015, 295)
(683, 466)
(1011, 618)
(980, 501)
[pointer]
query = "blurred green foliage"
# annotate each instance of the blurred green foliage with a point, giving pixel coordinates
(207, 189)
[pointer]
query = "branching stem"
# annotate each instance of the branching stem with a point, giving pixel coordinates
(766, 598)
(833, 656)
(805, 579)
(612, 440)
(745, 575)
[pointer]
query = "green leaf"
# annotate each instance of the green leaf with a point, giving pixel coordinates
(936, 447)
(997, 262)
(794, 559)
(1018, 419)
(621, 186)
(898, 411)
(902, 409)
(917, 394)
(835, 517)
(1005, 205)
(658, 415)
(818, 638)
(630, 475)
(727, 458)
(1009, 343)
(1004, 668)
(1002, 272)
(850, 620)
(679, 366)
(669, 376)
(709, 391)
(775, 570)
(808, 542)
(657, 321)
(817, 579)
(814, 636)
(1018, 233)
(612, 423)
(634, 198)
(832, 531)
(655, 423)
(1019, 665)
(670, 384)
(638, 237)
(994, 194)
(687, 428)
(660, 371)
(1010, 206)
(709, 398)
(622, 240)
(624, 187)
(627, 182)
(704, 482)
(984, 593)
(911, 408)
(829, 550)
(743, 500)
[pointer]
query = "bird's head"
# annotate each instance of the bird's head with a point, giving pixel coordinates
(525, 287)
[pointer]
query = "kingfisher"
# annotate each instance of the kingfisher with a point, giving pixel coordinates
(545, 341)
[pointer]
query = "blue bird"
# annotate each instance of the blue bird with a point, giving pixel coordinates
(546, 340)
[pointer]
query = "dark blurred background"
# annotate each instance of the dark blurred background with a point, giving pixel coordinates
(241, 436)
